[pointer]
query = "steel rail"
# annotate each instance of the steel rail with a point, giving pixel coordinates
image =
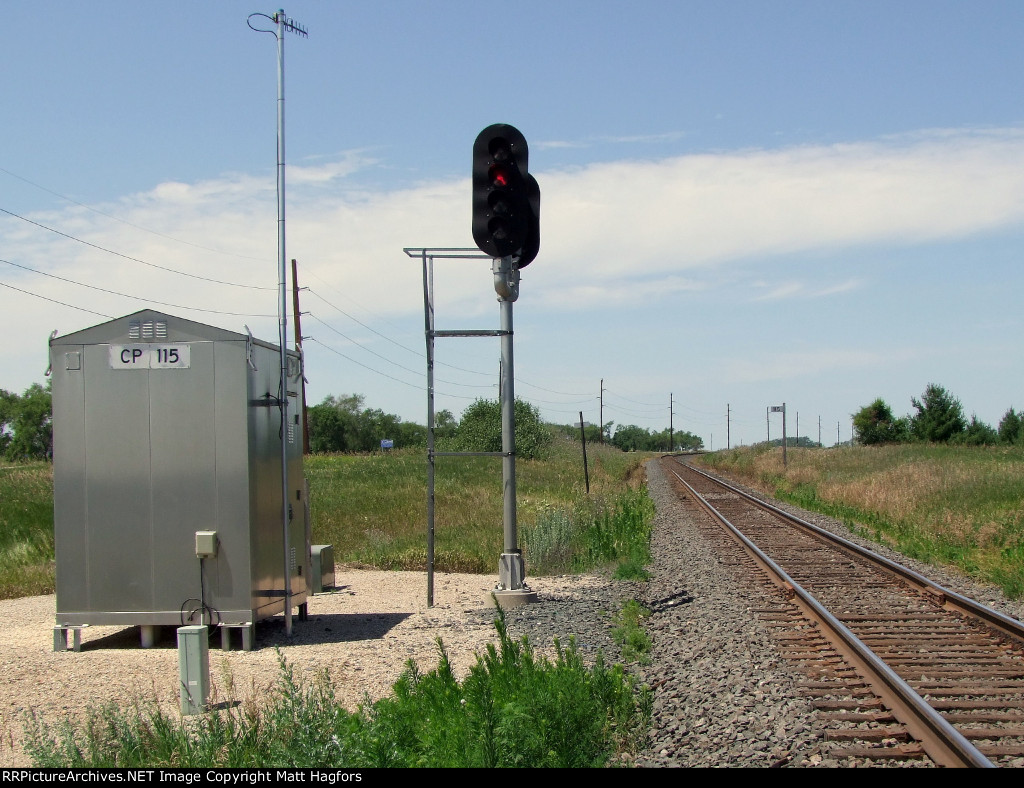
(943, 597)
(943, 743)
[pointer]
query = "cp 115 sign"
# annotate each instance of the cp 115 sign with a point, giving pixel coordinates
(150, 356)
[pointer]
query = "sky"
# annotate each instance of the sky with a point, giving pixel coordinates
(743, 204)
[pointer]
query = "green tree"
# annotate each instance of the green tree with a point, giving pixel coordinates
(333, 424)
(342, 424)
(1011, 427)
(26, 423)
(875, 424)
(445, 424)
(480, 429)
(629, 437)
(978, 433)
(939, 417)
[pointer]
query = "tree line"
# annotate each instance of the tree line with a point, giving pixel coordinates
(938, 418)
(629, 437)
(344, 424)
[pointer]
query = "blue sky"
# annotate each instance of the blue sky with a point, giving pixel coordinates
(743, 203)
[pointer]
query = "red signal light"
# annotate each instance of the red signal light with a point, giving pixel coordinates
(500, 177)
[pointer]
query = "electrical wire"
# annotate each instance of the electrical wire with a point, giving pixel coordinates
(135, 259)
(377, 371)
(126, 295)
(55, 301)
(389, 361)
(126, 222)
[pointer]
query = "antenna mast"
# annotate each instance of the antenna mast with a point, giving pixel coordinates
(281, 24)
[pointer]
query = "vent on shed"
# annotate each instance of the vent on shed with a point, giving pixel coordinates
(148, 329)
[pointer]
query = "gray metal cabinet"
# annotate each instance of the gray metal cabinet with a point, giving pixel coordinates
(163, 428)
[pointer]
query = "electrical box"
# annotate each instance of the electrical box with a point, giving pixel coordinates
(194, 668)
(322, 560)
(167, 446)
(206, 544)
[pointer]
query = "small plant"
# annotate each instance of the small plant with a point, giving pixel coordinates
(631, 570)
(627, 632)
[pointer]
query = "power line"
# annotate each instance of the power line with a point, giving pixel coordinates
(377, 371)
(387, 360)
(129, 224)
(126, 295)
(133, 259)
(55, 301)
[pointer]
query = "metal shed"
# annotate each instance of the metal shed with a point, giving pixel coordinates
(165, 431)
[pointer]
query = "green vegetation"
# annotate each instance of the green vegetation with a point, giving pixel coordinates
(950, 504)
(342, 424)
(373, 509)
(26, 530)
(26, 423)
(627, 632)
(480, 430)
(939, 419)
(513, 709)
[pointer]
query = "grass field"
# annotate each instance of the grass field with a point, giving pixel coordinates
(960, 506)
(26, 530)
(373, 509)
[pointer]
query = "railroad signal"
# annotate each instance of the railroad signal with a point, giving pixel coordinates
(506, 198)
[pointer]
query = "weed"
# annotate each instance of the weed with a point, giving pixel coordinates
(627, 632)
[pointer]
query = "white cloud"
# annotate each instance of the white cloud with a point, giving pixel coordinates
(617, 233)
(802, 290)
(707, 209)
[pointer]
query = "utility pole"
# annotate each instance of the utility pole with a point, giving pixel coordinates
(282, 24)
(819, 430)
(670, 443)
(298, 346)
(784, 463)
(728, 427)
(600, 425)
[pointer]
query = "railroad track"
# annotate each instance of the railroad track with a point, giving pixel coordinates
(899, 667)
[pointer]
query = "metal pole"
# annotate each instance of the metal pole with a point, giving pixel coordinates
(428, 317)
(784, 435)
(670, 425)
(296, 317)
(510, 565)
(583, 440)
(282, 320)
